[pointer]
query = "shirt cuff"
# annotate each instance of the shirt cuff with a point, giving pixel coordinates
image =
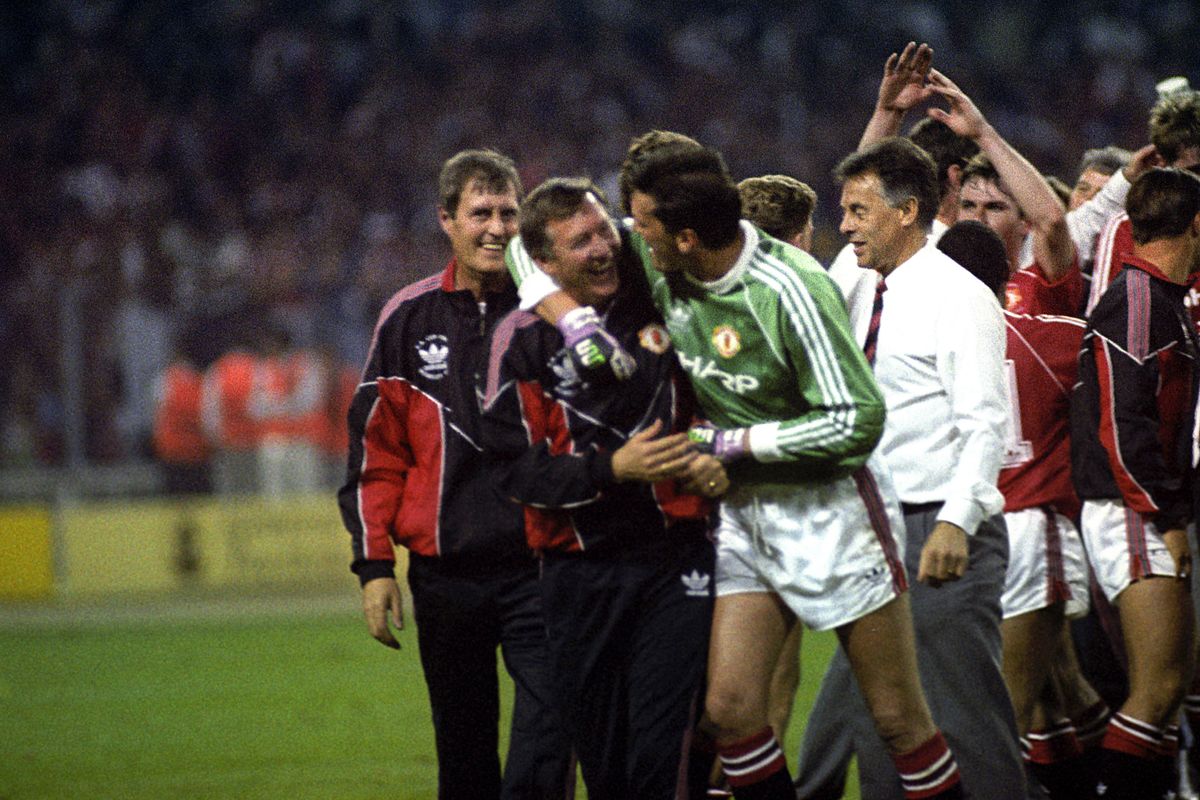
(369, 570)
(536, 288)
(600, 468)
(1117, 187)
(965, 513)
(764, 442)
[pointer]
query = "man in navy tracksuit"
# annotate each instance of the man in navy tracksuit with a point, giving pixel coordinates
(612, 491)
(416, 478)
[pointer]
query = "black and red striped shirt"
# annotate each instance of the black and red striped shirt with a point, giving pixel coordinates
(416, 475)
(1133, 411)
(553, 431)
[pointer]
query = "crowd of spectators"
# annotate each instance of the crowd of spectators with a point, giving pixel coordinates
(178, 173)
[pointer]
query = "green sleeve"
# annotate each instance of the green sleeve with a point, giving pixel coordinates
(845, 409)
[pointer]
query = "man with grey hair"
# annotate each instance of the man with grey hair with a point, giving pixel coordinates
(626, 554)
(936, 338)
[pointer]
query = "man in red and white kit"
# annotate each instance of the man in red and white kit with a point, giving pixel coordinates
(1175, 135)
(1007, 193)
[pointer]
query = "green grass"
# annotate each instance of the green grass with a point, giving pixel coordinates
(253, 707)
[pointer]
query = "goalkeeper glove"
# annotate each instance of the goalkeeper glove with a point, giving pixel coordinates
(724, 445)
(591, 347)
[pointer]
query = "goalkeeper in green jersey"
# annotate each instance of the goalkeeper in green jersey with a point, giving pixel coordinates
(807, 529)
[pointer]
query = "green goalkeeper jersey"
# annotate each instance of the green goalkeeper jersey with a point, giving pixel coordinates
(768, 346)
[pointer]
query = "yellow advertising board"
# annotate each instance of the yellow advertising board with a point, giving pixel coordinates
(238, 543)
(26, 553)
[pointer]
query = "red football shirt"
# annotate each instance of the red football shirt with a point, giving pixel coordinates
(1028, 292)
(1041, 361)
(1114, 245)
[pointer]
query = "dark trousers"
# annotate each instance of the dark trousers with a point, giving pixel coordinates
(628, 641)
(463, 614)
(958, 654)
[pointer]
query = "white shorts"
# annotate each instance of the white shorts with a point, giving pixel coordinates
(1046, 564)
(833, 551)
(1122, 545)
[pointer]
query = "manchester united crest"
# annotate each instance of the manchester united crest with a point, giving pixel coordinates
(655, 339)
(727, 341)
(1012, 296)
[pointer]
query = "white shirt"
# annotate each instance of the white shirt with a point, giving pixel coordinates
(940, 365)
(858, 283)
(1086, 222)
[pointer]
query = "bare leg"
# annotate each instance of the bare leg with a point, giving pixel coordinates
(1156, 616)
(1030, 642)
(882, 653)
(747, 634)
(784, 682)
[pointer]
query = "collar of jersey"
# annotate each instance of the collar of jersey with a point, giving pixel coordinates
(733, 278)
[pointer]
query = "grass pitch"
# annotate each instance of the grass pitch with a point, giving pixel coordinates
(240, 702)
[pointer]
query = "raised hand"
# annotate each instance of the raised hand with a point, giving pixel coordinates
(904, 78)
(1143, 159)
(962, 117)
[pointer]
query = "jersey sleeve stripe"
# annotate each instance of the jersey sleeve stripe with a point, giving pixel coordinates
(1110, 434)
(363, 532)
(522, 265)
(838, 424)
(1102, 267)
(501, 339)
(1137, 333)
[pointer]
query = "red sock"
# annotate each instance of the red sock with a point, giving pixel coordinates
(1051, 745)
(752, 760)
(929, 770)
(1131, 765)
(1133, 737)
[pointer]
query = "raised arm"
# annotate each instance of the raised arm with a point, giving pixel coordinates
(1052, 246)
(902, 87)
(593, 350)
(1088, 220)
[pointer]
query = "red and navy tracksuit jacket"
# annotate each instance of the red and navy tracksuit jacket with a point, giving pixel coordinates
(1133, 411)
(553, 433)
(416, 475)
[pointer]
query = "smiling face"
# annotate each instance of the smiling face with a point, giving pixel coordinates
(984, 201)
(663, 249)
(881, 234)
(583, 254)
(479, 230)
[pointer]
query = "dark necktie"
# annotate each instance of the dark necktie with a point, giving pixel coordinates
(873, 325)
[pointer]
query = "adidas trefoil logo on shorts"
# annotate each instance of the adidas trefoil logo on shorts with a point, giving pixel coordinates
(696, 583)
(875, 574)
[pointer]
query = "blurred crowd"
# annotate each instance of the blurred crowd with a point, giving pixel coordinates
(269, 419)
(187, 180)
